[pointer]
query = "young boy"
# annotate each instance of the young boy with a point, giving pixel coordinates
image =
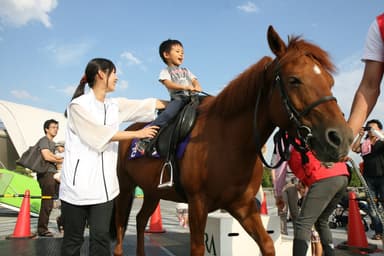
(60, 153)
(179, 81)
(182, 214)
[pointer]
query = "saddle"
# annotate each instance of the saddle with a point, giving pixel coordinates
(169, 137)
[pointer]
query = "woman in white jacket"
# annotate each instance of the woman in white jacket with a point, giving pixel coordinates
(89, 179)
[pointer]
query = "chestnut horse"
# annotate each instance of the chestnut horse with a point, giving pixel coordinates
(221, 167)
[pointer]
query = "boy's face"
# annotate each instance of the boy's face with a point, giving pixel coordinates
(60, 149)
(175, 56)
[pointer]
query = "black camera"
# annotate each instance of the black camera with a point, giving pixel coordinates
(367, 128)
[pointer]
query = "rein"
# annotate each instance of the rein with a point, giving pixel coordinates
(282, 139)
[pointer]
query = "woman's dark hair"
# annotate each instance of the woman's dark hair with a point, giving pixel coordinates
(89, 76)
(166, 46)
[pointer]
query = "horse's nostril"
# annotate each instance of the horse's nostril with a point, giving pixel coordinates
(334, 138)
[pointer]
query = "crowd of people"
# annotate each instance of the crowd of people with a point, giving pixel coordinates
(91, 144)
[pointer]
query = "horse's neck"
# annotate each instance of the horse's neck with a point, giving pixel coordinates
(241, 93)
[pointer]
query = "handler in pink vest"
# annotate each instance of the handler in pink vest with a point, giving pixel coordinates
(327, 183)
(369, 89)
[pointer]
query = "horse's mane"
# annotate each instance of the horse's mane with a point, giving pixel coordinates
(297, 45)
(242, 90)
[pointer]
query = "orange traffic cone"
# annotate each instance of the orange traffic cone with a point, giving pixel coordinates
(156, 224)
(264, 209)
(23, 223)
(357, 239)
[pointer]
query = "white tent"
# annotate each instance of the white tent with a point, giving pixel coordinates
(24, 124)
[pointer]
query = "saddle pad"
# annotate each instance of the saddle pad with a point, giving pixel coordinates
(179, 151)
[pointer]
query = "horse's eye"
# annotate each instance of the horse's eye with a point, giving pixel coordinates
(294, 81)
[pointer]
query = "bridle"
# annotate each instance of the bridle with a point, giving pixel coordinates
(304, 133)
(294, 115)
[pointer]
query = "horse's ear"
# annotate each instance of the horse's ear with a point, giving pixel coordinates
(277, 45)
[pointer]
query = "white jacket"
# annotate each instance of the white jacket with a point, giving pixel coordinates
(89, 169)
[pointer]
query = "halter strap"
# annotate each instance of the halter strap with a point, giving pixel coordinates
(292, 111)
(295, 116)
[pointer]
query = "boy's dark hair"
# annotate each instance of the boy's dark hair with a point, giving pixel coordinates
(48, 123)
(375, 121)
(166, 46)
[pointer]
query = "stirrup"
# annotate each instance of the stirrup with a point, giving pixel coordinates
(170, 182)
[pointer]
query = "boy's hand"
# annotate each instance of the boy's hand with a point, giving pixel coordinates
(193, 89)
(279, 202)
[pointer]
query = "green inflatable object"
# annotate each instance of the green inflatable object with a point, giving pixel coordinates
(13, 184)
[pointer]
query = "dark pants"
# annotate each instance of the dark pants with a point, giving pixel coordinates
(173, 107)
(319, 203)
(75, 217)
(49, 187)
(376, 188)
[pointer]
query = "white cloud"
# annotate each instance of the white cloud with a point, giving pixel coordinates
(68, 90)
(23, 94)
(130, 58)
(123, 84)
(119, 71)
(248, 7)
(68, 53)
(346, 83)
(19, 12)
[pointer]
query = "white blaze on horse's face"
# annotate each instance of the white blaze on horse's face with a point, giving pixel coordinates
(316, 69)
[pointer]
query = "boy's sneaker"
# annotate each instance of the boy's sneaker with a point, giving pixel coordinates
(141, 145)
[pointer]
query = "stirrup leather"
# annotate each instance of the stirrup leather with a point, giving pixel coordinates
(169, 183)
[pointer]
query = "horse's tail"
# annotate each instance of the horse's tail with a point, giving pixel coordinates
(112, 226)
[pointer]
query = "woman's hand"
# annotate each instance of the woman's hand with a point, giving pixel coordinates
(148, 132)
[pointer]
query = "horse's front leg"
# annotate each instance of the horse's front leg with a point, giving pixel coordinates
(249, 217)
(197, 213)
(148, 207)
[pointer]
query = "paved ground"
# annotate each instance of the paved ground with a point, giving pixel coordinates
(175, 241)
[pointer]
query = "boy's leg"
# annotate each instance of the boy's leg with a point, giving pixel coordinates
(169, 112)
(283, 213)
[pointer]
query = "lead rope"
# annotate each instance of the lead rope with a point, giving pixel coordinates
(371, 200)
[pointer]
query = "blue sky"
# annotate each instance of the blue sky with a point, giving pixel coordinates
(46, 44)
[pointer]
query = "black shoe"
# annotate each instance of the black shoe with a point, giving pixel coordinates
(46, 234)
(141, 145)
(59, 223)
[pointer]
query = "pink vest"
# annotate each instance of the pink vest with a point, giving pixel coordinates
(314, 171)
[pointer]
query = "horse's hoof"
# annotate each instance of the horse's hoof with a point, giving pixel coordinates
(117, 253)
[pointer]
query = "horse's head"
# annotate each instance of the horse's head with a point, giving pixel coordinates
(302, 83)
